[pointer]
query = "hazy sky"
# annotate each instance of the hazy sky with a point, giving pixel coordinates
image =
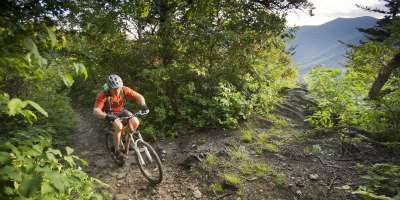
(327, 10)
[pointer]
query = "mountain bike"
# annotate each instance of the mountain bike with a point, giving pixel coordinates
(146, 157)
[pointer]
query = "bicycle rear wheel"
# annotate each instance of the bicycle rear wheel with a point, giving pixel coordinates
(110, 146)
(149, 162)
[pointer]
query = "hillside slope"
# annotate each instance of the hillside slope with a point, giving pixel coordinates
(267, 158)
(319, 45)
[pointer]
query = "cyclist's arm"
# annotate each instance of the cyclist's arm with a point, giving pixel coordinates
(133, 95)
(99, 113)
(98, 106)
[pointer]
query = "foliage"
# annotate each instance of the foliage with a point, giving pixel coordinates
(262, 169)
(36, 71)
(383, 182)
(280, 179)
(380, 31)
(198, 64)
(271, 147)
(209, 162)
(342, 101)
(247, 136)
(313, 149)
(30, 168)
(232, 179)
(216, 188)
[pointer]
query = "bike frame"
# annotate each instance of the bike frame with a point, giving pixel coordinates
(135, 142)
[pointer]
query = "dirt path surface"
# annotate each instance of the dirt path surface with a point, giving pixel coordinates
(127, 182)
(280, 161)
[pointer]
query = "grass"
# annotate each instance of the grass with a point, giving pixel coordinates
(262, 137)
(280, 179)
(216, 188)
(277, 120)
(232, 179)
(245, 168)
(238, 155)
(262, 169)
(273, 148)
(247, 136)
(209, 162)
(316, 149)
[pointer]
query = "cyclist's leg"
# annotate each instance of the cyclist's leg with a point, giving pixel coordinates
(117, 125)
(126, 113)
(133, 124)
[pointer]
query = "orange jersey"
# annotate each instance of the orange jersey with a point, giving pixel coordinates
(117, 102)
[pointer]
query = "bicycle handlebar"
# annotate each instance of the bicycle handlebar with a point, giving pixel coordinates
(137, 114)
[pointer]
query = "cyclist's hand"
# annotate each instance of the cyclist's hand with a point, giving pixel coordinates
(110, 118)
(144, 110)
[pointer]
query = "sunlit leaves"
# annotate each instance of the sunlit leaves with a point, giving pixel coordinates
(52, 35)
(68, 79)
(37, 107)
(31, 46)
(80, 69)
(17, 106)
(69, 150)
(37, 174)
(146, 10)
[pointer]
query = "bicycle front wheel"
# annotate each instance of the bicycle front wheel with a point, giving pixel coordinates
(149, 162)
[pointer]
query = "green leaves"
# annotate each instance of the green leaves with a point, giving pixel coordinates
(69, 150)
(52, 35)
(4, 158)
(146, 10)
(31, 46)
(37, 174)
(80, 69)
(383, 182)
(58, 181)
(37, 107)
(17, 106)
(30, 185)
(68, 79)
(10, 173)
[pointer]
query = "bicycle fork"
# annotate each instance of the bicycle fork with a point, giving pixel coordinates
(140, 150)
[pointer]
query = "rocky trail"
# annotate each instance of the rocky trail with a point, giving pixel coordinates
(281, 160)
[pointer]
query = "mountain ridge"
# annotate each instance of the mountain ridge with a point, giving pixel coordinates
(319, 44)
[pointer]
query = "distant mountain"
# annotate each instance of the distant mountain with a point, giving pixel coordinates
(319, 45)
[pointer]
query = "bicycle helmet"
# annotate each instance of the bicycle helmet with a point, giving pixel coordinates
(114, 81)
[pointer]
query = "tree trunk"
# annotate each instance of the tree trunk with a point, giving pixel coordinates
(383, 77)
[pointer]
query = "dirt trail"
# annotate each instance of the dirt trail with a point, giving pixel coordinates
(311, 166)
(127, 182)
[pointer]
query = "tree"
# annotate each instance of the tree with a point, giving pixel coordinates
(383, 77)
(380, 32)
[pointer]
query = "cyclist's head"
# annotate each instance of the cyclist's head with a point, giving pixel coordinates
(114, 81)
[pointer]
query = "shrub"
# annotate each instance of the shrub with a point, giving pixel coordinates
(30, 168)
(383, 181)
(341, 102)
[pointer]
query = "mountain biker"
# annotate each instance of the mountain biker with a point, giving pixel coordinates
(110, 105)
